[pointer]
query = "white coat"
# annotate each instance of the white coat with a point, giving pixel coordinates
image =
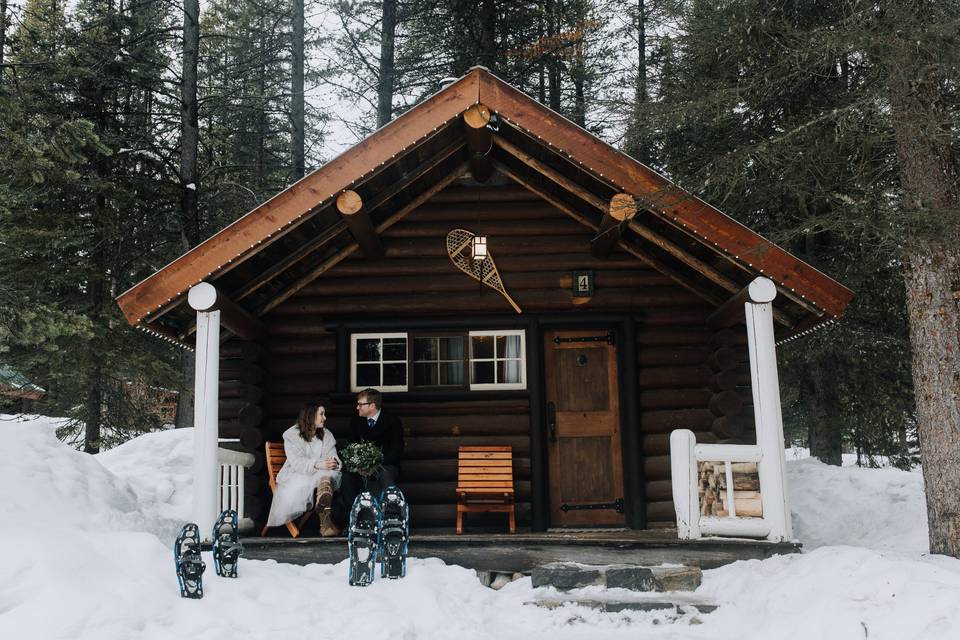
(298, 477)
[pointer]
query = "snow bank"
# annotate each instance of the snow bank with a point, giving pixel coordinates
(882, 509)
(80, 558)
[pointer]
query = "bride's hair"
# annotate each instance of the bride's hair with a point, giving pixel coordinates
(308, 419)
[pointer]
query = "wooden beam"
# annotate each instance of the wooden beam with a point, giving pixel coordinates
(350, 206)
(350, 249)
(622, 207)
(274, 217)
(233, 317)
(338, 227)
(738, 244)
(576, 215)
(730, 312)
(479, 141)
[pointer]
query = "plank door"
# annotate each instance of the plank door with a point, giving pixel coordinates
(583, 429)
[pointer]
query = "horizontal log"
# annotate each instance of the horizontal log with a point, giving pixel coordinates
(241, 371)
(656, 467)
(674, 335)
(728, 338)
(307, 328)
(498, 246)
(449, 279)
(325, 346)
(661, 511)
(506, 263)
(667, 420)
(473, 195)
(229, 428)
(246, 415)
(303, 387)
(241, 349)
(432, 211)
(252, 438)
(672, 356)
(658, 444)
(445, 447)
(445, 515)
(498, 228)
(723, 359)
(675, 399)
(445, 492)
(255, 482)
(724, 380)
(658, 490)
(733, 427)
(693, 316)
(480, 300)
(726, 403)
(470, 425)
(234, 390)
(427, 470)
(674, 377)
(291, 366)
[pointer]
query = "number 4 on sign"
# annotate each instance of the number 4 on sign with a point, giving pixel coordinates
(582, 284)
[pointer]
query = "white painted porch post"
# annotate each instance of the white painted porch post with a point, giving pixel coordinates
(203, 297)
(765, 385)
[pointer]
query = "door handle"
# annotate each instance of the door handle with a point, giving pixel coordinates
(552, 420)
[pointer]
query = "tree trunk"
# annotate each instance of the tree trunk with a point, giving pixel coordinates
(928, 174)
(3, 32)
(189, 127)
(388, 31)
(488, 35)
(297, 120)
(823, 404)
(553, 75)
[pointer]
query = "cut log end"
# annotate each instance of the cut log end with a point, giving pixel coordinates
(623, 207)
(349, 202)
(477, 116)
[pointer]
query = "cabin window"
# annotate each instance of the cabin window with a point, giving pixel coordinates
(496, 360)
(379, 361)
(438, 361)
(475, 360)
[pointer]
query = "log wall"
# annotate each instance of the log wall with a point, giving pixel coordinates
(687, 375)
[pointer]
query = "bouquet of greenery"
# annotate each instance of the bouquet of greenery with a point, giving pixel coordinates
(362, 457)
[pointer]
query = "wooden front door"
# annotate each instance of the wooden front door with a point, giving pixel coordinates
(583, 428)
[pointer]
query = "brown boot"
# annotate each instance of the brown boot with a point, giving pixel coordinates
(324, 500)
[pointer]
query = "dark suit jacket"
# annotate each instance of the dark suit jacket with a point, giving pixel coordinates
(387, 434)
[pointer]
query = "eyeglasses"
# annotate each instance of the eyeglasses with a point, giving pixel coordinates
(360, 404)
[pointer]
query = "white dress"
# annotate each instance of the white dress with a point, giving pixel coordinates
(298, 477)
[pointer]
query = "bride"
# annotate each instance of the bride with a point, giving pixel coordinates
(311, 473)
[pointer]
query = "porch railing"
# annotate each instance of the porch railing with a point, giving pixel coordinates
(685, 456)
(230, 475)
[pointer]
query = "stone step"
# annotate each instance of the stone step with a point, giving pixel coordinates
(669, 607)
(565, 576)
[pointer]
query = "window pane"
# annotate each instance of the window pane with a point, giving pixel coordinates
(481, 346)
(368, 350)
(451, 373)
(424, 349)
(451, 348)
(482, 373)
(508, 346)
(394, 349)
(395, 374)
(508, 371)
(368, 375)
(425, 374)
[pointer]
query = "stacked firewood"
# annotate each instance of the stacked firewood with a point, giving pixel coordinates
(712, 480)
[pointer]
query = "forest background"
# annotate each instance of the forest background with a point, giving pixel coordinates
(130, 130)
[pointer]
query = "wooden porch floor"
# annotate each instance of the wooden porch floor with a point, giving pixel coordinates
(521, 552)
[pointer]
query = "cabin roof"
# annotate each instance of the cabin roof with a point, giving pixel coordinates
(270, 253)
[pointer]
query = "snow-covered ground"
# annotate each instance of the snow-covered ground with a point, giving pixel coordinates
(85, 553)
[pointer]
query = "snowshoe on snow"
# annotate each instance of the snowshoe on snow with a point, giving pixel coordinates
(226, 544)
(394, 533)
(363, 539)
(190, 566)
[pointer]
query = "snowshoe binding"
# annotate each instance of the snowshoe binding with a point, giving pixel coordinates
(226, 544)
(363, 539)
(190, 565)
(394, 533)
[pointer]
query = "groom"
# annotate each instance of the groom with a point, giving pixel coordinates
(383, 429)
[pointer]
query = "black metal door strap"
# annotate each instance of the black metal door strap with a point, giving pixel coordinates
(609, 339)
(616, 504)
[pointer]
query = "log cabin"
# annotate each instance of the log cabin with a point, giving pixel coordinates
(505, 278)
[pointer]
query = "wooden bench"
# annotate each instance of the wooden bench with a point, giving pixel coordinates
(485, 482)
(276, 456)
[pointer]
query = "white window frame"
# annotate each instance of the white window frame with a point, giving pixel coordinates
(354, 337)
(488, 386)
